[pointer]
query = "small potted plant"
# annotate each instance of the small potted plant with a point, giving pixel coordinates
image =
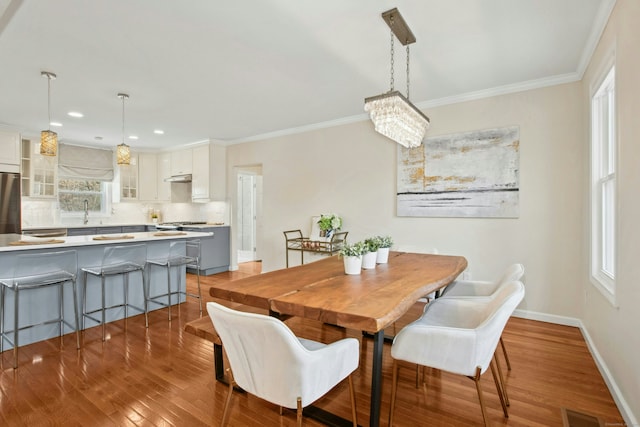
(370, 257)
(352, 255)
(384, 245)
(328, 223)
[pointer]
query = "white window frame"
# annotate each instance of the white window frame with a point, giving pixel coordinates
(603, 184)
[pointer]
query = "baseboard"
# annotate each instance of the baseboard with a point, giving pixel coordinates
(618, 397)
(550, 318)
(623, 406)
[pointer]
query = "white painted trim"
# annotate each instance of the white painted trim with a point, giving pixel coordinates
(599, 24)
(550, 318)
(470, 96)
(615, 391)
(618, 397)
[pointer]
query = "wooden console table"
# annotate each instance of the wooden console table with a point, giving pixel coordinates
(296, 242)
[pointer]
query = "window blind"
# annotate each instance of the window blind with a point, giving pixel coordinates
(85, 163)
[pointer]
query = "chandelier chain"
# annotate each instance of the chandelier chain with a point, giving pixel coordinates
(407, 71)
(392, 51)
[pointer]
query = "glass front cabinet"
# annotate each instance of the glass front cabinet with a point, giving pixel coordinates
(39, 173)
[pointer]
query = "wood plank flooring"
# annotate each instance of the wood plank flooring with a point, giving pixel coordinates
(162, 376)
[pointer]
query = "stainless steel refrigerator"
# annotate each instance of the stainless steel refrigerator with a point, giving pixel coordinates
(10, 207)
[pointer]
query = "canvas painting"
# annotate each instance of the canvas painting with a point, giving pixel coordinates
(473, 174)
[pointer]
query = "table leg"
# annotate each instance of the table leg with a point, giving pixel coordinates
(376, 379)
(218, 363)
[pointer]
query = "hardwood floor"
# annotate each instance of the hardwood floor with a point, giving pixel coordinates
(162, 376)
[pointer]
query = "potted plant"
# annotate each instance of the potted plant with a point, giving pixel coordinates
(328, 223)
(352, 255)
(384, 245)
(370, 257)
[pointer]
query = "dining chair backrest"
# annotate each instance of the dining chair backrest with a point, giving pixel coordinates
(269, 361)
(458, 335)
(482, 288)
(124, 258)
(47, 267)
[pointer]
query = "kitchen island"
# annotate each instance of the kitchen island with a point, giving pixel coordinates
(37, 304)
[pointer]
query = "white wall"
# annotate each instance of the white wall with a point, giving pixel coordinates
(351, 170)
(615, 330)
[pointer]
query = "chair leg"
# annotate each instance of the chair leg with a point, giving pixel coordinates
(227, 403)
(75, 312)
(299, 412)
(199, 291)
(145, 295)
(104, 323)
(169, 290)
(61, 311)
(502, 383)
(394, 390)
(499, 386)
(352, 392)
(504, 351)
(2, 286)
(15, 327)
(476, 379)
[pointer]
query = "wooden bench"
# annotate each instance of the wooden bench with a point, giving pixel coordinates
(203, 328)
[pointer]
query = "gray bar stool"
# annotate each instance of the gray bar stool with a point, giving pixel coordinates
(34, 271)
(117, 260)
(178, 258)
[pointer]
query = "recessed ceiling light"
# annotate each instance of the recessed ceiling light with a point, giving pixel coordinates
(98, 138)
(133, 137)
(75, 114)
(56, 124)
(159, 131)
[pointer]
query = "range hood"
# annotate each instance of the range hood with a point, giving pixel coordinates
(179, 178)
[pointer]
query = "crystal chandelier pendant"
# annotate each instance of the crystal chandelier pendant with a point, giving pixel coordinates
(392, 114)
(396, 118)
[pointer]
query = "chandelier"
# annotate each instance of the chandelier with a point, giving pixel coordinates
(123, 152)
(48, 138)
(392, 114)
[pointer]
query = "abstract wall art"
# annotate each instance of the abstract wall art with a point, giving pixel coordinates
(472, 174)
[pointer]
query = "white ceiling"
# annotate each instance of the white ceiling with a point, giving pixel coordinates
(240, 70)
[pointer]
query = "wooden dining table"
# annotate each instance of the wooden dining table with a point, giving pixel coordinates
(369, 302)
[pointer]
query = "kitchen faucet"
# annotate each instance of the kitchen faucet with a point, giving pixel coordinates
(86, 212)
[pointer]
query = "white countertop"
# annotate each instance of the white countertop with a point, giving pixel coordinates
(73, 241)
(56, 226)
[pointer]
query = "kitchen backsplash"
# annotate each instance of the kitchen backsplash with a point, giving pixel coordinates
(43, 213)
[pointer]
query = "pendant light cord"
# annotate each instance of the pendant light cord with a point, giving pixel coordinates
(49, 102)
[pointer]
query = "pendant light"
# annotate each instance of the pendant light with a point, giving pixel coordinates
(123, 152)
(393, 115)
(48, 138)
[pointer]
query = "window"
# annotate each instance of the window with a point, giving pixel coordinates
(73, 192)
(603, 183)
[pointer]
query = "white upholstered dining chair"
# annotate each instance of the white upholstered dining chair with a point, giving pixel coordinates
(267, 360)
(458, 336)
(485, 289)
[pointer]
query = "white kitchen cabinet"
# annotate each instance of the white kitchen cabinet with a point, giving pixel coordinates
(152, 170)
(209, 173)
(129, 180)
(39, 173)
(164, 171)
(218, 172)
(200, 174)
(147, 177)
(182, 162)
(9, 151)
